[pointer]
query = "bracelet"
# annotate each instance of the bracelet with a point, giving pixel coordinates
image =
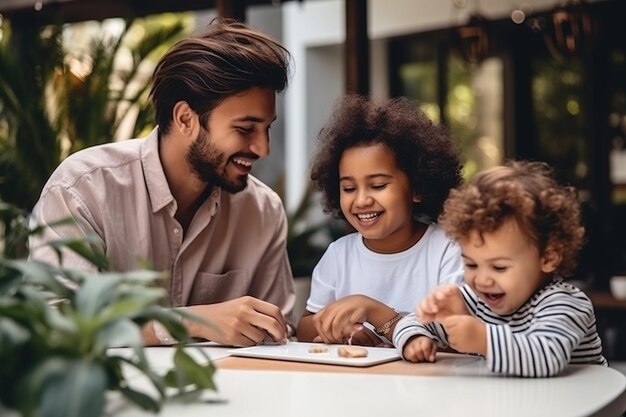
(161, 333)
(384, 329)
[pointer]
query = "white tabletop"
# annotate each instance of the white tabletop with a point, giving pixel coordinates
(464, 388)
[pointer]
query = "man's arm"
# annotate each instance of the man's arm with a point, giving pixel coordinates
(62, 215)
(244, 321)
(273, 279)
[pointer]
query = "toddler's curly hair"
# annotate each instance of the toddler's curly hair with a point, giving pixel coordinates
(424, 151)
(548, 213)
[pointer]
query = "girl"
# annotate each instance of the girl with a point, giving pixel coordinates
(519, 232)
(386, 169)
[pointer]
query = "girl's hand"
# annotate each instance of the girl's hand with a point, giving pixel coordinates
(420, 349)
(337, 321)
(466, 334)
(441, 302)
(365, 337)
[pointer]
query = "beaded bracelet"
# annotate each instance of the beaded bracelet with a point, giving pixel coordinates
(385, 328)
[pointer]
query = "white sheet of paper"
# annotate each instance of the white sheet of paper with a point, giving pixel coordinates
(299, 352)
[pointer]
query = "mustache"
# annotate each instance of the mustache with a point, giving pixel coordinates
(246, 155)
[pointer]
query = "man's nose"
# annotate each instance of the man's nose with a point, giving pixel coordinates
(261, 145)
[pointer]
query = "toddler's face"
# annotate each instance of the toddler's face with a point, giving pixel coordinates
(376, 198)
(504, 268)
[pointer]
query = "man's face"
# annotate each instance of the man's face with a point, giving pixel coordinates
(237, 135)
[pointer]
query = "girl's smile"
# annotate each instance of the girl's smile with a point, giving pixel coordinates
(376, 198)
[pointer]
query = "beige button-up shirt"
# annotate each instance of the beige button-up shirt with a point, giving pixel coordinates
(234, 246)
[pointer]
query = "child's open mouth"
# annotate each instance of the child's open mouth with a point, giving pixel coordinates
(493, 299)
(366, 218)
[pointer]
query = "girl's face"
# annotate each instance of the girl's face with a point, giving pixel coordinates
(376, 198)
(505, 268)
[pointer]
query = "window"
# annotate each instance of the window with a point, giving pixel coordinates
(468, 98)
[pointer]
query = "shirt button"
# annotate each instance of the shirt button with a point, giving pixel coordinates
(176, 231)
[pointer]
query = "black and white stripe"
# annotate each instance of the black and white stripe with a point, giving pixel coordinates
(555, 327)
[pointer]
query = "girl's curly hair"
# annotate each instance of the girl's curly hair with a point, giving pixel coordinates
(527, 192)
(424, 151)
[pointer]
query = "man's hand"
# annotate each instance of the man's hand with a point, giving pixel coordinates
(466, 334)
(420, 349)
(243, 321)
(443, 301)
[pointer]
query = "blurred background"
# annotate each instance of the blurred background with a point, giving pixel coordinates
(542, 80)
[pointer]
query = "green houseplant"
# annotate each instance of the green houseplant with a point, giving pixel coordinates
(308, 239)
(55, 100)
(54, 357)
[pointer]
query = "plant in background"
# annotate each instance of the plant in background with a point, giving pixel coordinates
(306, 240)
(54, 357)
(55, 100)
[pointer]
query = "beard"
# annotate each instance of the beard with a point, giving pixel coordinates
(209, 165)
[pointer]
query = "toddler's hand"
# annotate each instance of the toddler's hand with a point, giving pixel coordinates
(466, 334)
(441, 302)
(420, 349)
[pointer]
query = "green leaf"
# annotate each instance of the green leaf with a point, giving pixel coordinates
(77, 392)
(12, 335)
(60, 322)
(131, 306)
(188, 372)
(95, 293)
(88, 247)
(142, 400)
(38, 273)
(30, 385)
(140, 363)
(119, 333)
(171, 319)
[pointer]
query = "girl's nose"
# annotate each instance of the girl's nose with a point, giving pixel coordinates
(363, 199)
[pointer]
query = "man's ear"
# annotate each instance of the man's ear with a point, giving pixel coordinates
(550, 260)
(416, 198)
(184, 119)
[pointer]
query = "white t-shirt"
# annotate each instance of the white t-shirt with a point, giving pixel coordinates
(400, 280)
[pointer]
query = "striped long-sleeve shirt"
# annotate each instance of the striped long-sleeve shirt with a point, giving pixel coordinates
(555, 327)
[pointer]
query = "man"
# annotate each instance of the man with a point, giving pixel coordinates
(182, 199)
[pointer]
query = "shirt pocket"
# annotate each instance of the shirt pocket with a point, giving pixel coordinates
(211, 288)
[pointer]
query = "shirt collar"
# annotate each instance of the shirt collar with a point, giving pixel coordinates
(158, 187)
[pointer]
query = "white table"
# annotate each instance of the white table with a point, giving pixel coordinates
(455, 386)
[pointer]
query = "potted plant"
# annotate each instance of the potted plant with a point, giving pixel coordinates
(56, 325)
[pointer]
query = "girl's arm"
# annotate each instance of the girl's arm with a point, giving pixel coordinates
(322, 293)
(337, 321)
(306, 331)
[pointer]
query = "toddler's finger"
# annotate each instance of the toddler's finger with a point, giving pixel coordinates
(432, 353)
(441, 294)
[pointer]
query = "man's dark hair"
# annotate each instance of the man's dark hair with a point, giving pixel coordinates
(203, 70)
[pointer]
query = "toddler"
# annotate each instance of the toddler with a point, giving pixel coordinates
(519, 233)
